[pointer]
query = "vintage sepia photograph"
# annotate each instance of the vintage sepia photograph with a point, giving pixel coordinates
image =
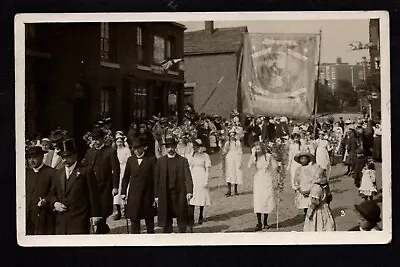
(203, 128)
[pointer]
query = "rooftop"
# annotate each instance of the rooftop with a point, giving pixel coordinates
(221, 40)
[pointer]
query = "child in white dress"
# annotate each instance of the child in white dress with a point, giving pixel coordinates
(368, 182)
(199, 163)
(233, 162)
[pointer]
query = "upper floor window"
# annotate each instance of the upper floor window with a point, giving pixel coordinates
(105, 100)
(139, 44)
(159, 49)
(105, 41)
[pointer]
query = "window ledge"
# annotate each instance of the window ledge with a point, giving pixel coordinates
(109, 65)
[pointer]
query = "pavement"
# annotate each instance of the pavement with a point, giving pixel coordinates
(235, 213)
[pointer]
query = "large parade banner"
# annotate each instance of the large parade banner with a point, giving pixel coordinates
(278, 74)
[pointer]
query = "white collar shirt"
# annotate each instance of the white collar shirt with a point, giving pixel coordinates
(69, 170)
(36, 170)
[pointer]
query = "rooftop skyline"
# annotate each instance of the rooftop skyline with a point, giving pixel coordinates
(336, 34)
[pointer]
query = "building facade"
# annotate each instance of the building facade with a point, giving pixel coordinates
(77, 73)
(374, 52)
(212, 59)
(332, 73)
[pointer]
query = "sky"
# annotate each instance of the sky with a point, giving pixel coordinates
(336, 34)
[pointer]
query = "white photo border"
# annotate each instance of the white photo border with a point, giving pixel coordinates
(271, 238)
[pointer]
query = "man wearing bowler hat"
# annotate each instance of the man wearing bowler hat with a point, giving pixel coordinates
(139, 175)
(39, 178)
(104, 162)
(173, 188)
(56, 137)
(74, 195)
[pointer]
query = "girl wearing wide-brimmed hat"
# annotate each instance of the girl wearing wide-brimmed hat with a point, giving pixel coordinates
(200, 163)
(233, 162)
(264, 197)
(304, 179)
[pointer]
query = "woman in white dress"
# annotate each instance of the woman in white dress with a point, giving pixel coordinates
(264, 198)
(199, 163)
(294, 149)
(123, 154)
(233, 162)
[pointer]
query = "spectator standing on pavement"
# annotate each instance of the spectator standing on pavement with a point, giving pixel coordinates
(369, 215)
(233, 162)
(359, 164)
(377, 144)
(199, 164)
(264, 198)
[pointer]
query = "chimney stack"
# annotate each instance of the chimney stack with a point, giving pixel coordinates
(209, 26)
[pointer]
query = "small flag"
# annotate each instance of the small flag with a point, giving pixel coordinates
(168, 63)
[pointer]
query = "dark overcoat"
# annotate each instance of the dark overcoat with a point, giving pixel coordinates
(184, 186)
(80, 195)
(38, 185)
(141, 187)
(105, 165)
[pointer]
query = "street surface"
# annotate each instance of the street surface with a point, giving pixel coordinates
(235, 213)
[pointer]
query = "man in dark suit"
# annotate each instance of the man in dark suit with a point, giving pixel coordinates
(268, 133)
(74, 194)
(173, 188)
(139, 175)
(104, 162)
(39, 178)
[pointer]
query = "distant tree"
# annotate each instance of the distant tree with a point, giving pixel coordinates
(327, 102)
(345, 94)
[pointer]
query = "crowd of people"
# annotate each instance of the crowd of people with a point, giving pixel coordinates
(162, 168)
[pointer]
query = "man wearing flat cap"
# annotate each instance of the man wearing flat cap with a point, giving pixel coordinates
(173, 188)
(39, 179)
(74, 194)
(139, 175)
(103, 160)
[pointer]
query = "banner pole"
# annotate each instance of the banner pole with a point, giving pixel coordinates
(317, 85)
(239, 75)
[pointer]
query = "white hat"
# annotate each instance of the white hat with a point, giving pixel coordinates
(347, 122)
(283, 119)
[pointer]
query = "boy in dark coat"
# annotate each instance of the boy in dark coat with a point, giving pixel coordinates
(139, 175)
(359, 164)
(39, 178)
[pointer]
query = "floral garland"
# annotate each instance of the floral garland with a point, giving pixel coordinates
(280, 151)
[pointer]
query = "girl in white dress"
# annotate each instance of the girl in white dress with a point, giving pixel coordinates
(264, 197)
(368, 182)
(233, 162)
(199, 163)
(322, 154)
(123, 154)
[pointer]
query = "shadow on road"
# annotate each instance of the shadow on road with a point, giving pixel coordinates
(228, 215)
(338, 191)
(211, 229)
(299, 219)
(336, 212)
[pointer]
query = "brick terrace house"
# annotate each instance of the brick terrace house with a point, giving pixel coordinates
(211, 54)
(78, 72)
